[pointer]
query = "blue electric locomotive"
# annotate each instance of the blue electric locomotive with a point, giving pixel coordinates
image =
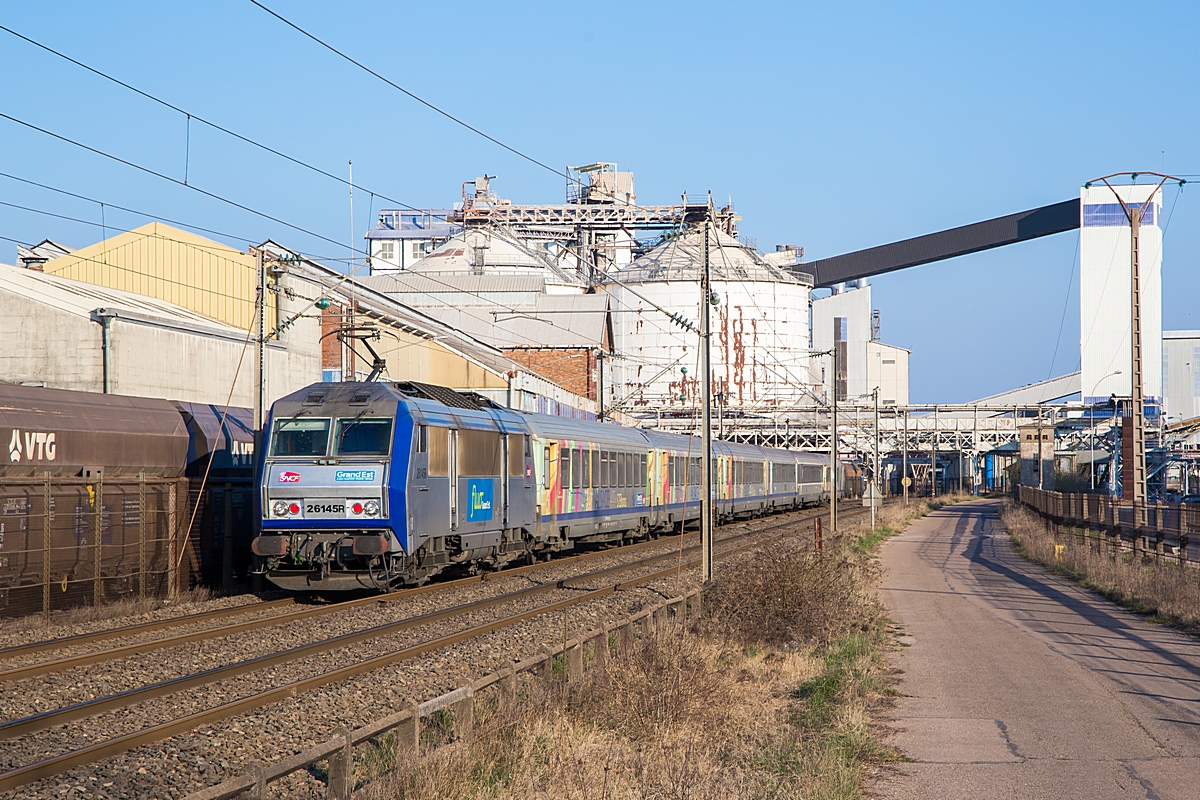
(379, 485)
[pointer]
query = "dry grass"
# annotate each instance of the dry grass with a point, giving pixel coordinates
(766, 695)
(1162, 589)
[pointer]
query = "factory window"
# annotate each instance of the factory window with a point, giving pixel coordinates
(479, 453)
(889, 361)
(439, 452)
(586, 481)
(418, 249)
(387, 250)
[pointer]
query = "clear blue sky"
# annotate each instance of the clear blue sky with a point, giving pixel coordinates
(833, 126)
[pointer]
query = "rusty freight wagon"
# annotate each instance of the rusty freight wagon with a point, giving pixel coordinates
(93, 498)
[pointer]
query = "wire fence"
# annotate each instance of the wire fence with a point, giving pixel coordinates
(75, 542)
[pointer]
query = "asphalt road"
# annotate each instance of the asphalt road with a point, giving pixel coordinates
(1018, 684)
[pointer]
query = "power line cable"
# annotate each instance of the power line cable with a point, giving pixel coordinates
(400, 88)
(191, 116)
(1066, 303)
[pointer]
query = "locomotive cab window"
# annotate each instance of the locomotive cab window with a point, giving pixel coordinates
(363, 437)
(422, 438)
(300, 437)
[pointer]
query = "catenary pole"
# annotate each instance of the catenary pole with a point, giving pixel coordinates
(706, 480)
(833, 444)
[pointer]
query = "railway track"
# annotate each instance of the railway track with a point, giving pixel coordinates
(58, 764)
(38, 668)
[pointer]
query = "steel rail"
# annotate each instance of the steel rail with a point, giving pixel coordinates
(132, 630)
(141, 648)
(47, 719)
(57, 764)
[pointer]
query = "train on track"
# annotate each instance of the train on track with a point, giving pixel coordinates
(380, 485)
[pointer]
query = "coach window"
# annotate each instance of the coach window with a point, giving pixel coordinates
(546, 467)
(439, 451)
(479, 453)
(585, 480)
(564, 464)
(577, 468)
(642, 471)
(621, 470)
(517, 452)
(596, 468)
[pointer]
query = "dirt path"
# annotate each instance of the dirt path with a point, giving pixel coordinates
(1018, 684)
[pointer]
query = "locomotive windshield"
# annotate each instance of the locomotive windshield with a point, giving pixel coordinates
(363, 437)
(300, 437)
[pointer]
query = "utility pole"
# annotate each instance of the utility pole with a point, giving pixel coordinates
(833, 444)
(1137, 399)
(875, 484)
(260, 354)
(706, 481)
(600, 386)
(933, 447)
(904, 479)
(1041, 478)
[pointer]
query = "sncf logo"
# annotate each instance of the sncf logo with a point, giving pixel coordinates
(289, 477)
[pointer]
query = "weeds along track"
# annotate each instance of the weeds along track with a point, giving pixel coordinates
(122, 704)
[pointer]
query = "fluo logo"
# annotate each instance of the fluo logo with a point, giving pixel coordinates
(479, 508)
(289, 477)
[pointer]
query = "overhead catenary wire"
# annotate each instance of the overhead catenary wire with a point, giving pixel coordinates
(410, 94)
(192, 116)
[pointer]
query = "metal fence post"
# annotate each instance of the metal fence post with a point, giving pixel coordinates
(341, 767)
(98, 508)
(46, 549)
(142, 535)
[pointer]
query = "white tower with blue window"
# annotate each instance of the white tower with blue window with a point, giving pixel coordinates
(1104, 292)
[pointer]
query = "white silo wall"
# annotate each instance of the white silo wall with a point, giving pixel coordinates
(1104, 293)
(759, 345)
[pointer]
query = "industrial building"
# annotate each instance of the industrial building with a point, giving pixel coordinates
(1181, 371)
(402, 237)
(158, 269)
(1104, 292)
(846, 319)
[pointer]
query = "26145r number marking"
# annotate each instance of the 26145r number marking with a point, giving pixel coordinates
(325, 508)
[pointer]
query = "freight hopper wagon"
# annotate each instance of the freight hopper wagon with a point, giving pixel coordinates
(92, 491)
(379, 485)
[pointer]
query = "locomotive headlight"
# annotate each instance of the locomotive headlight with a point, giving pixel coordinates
(279, 508)
(371, 508)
